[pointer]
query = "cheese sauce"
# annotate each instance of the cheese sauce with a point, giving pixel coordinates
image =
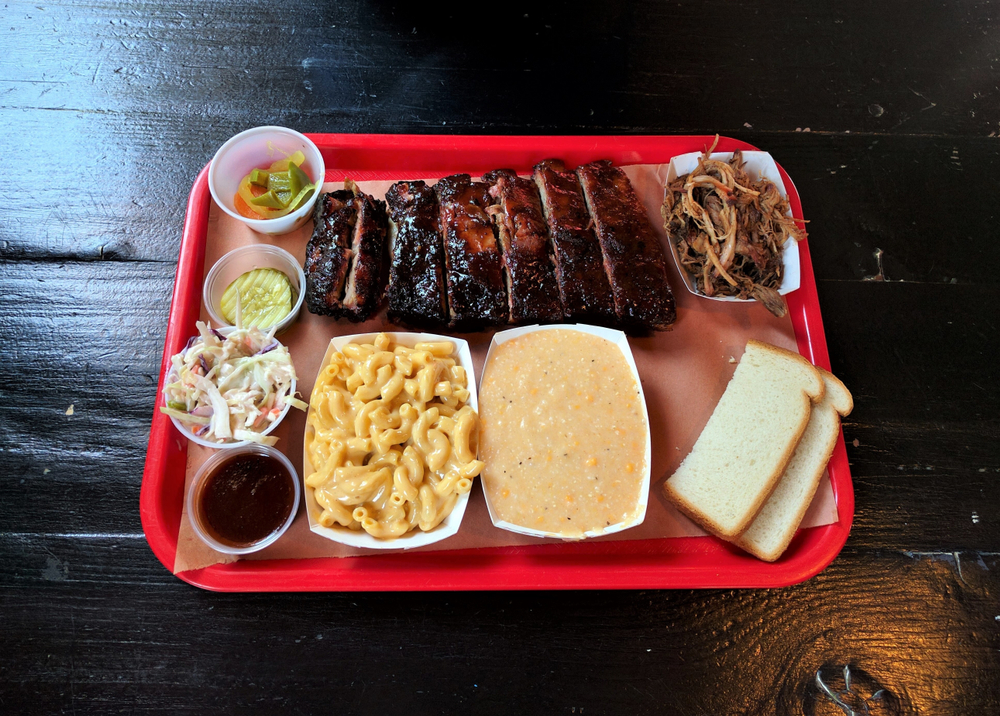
(563, 433)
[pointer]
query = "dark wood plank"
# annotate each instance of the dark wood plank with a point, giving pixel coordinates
(125, 632)
(96, 334)
(129, 85)
(857, 192)
(922, 440)
(913, 68)
(892, 208)
(922, 354)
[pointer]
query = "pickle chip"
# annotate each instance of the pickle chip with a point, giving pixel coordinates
(265, 297)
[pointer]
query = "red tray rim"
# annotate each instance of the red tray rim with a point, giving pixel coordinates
(689, 562)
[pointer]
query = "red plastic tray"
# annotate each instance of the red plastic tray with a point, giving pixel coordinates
(688, 562)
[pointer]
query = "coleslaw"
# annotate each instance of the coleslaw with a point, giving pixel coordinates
(231, 387)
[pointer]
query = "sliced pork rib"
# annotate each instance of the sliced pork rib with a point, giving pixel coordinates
(365, 286)
(328, 253)
(532, 291)
(477, 295)
(633, 257)
(579, 264)
(416, 273)
(346, 256)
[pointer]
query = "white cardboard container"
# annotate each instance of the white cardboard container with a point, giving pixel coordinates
(757, 164)
(415, 538)
(620, 340)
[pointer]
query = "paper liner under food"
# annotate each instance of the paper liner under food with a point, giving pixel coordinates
(415, 538)
(620, 340)
(758, 164)
(683, 373)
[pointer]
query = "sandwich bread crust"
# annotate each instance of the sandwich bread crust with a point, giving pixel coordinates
(748, 441)
(776, 524)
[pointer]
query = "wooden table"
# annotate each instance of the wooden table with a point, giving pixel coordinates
(887, 118)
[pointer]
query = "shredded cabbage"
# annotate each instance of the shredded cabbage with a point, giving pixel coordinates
(234, 387)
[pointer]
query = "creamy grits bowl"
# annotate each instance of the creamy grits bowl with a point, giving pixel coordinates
(564, 432)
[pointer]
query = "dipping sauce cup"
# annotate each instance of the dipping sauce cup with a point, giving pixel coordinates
(242, 500)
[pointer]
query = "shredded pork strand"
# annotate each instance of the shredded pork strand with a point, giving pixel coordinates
(729, 230)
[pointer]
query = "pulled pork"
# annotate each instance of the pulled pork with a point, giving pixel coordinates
(729, 230)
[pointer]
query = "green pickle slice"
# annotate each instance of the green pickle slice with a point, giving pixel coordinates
(265, 295)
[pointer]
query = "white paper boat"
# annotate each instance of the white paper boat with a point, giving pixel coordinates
(757, 164)
(416, 538)
(621, 341)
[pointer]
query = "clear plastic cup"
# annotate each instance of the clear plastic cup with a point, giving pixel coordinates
(194, 493)
(254, 149)
(246, 258)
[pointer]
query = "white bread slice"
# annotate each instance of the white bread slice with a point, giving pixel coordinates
(775, 525)
(743, 450)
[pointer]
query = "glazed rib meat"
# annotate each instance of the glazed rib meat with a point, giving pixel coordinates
(416, 273)
(633, 256)
(477, 296)
(369, 273)
(532, 291)
(346, 256)
(579, 264)
(328, 253)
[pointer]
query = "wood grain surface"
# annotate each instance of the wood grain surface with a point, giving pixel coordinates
(887, 117)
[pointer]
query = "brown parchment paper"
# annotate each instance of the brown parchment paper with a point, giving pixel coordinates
(684, 373)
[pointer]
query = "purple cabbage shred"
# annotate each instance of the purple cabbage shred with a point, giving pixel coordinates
(268, 348)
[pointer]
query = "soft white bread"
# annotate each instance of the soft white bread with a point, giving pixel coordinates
(775, 525)
(744, 449)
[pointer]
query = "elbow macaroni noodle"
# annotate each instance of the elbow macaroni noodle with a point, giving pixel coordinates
(392, 442)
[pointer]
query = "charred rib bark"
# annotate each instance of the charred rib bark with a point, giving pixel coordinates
(633, 256)
(416, 273)
(328, 252)
(370, 268)
(477, 296)
(532, 291)
(579, 264)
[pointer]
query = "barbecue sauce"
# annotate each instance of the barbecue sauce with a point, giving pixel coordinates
(245, 499)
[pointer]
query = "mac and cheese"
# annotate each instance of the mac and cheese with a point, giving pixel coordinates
(390, 438)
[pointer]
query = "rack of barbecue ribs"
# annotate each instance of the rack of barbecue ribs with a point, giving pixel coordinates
(579, 264)
(477, 296)
(346, 267)
(532, 291)
(417, 293)
(466, 255)
(633, 256)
